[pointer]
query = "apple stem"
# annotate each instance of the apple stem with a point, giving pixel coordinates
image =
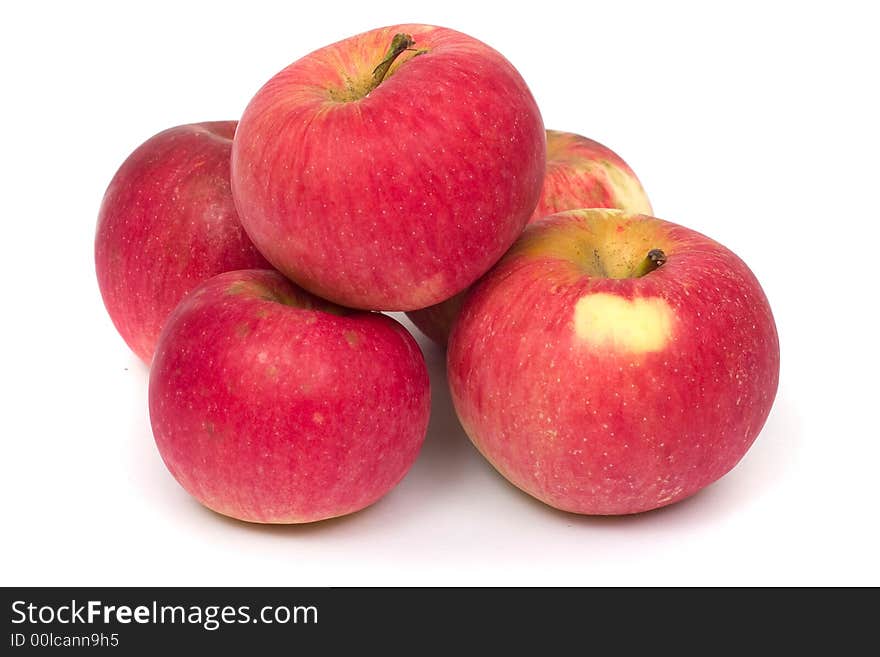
(399, 44)
(655, 258)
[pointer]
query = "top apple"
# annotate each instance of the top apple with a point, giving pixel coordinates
(390, 170)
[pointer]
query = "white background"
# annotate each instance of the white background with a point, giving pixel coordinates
(756, 124)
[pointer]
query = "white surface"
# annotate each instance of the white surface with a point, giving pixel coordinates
(756, 125)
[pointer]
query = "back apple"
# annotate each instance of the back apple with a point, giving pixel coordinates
(582, 173)
(390, 170)
(167, 222)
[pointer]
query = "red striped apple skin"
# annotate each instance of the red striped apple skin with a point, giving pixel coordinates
(401, 197)
(581, 173)
(167, 222)
(603, 394)
(271, 405)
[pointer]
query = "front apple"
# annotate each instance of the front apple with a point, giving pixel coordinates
(392, 169)
(581, 173)
(271, 405)
(612, 364)
(167, 222)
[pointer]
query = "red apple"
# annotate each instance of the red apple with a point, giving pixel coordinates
(390, 170)
(167, 223)
(581, 173)
(271, 405)
(612, 364)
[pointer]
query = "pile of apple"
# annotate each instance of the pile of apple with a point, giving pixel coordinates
(604, 361)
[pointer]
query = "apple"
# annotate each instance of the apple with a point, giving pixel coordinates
(390, 170)
(271, 405)
(613, 364)
(168, 222)
(581, 173)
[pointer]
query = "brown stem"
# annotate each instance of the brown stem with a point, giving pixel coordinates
(399, 44)
(655, 258)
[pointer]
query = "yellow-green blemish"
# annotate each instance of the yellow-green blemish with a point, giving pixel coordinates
(609, 321)
(626, 189)
(238, 287)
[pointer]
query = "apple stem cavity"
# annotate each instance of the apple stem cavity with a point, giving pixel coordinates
(655, 258)
(399, 44)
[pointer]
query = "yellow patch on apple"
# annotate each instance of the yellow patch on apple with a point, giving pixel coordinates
(627, 190)
(640, 325)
